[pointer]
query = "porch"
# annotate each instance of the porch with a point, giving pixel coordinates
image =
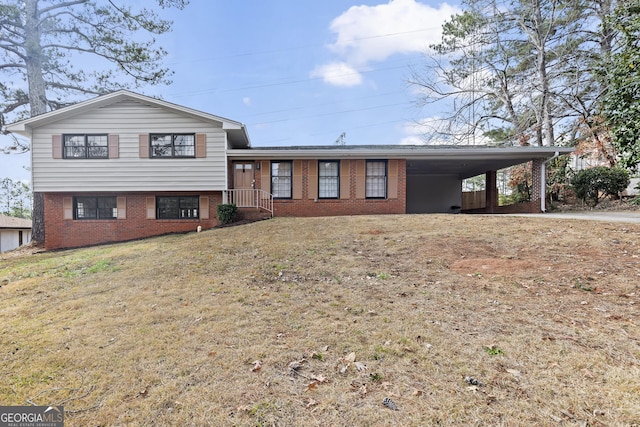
(249, 198)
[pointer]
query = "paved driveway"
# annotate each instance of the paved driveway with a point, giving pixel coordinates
(611, 216)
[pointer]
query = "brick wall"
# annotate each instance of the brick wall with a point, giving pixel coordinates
(68, 233)
(338, 207)
(536, 183)
(307, 206)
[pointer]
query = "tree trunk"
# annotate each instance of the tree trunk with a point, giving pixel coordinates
(540, 43)
(37, 99)
(34, 59)
(37, 215)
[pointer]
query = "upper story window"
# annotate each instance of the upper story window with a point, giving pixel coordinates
(281, 179)
(95, 208)
(86, 146)
(173, 145)
(328, 179)
(376, 179)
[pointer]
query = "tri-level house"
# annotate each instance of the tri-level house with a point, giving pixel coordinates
(125, 166)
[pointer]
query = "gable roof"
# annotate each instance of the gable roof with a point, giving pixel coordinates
(237, 132)
(14, 223)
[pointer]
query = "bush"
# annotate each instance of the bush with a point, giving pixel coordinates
(226, 213)
(636, 200)
(591, 185)
(520, 181)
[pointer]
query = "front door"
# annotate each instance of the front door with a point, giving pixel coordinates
(243, 175)
(243, 184)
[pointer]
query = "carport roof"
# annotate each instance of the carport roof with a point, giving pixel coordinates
(463, 161)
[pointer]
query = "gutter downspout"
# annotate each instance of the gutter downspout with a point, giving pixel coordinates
(543, 182)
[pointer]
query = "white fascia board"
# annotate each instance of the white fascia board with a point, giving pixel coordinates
(401, 153)
(23, 127)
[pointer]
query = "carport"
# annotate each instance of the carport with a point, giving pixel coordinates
(435, 174)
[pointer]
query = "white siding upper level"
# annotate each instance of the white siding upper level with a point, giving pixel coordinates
(127, 170)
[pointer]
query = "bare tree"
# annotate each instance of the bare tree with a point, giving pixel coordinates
(518, 72)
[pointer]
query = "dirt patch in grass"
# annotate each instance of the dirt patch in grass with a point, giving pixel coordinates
(451, 320)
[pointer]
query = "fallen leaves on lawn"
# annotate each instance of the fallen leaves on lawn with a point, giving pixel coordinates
(257, 365)
(294, 366)
(316, 379)
(310, 403)
(360, 367)
(363, 390)
(320, 378)
(351, 359)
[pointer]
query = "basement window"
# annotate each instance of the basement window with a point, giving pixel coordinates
(177, 207)
(95, 208)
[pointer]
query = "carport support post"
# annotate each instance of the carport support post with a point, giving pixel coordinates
(491, 193)
(538, 186)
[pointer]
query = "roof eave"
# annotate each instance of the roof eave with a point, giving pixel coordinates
(24, 127)
(401, 152)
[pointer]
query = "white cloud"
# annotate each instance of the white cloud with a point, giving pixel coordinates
(368, 34)
(436, 130)
(414, 134)
(412, 140)
(338, 74)
(246, 101)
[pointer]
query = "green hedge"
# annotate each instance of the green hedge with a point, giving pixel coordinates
(226, 213)
(591, 185)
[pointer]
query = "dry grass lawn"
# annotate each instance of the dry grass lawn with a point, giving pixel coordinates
(458, 320)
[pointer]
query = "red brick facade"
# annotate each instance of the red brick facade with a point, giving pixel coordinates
(306, 203)
(537, 193)
(138, 220)
(69, 233)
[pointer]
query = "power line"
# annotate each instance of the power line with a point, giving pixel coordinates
(334, 131)
(307, 106)
(281, 83)
(292, 48)
(331, 114)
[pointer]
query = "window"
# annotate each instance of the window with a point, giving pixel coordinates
(177, 207)
(173, 145)
(376, 182)
(95, 208)
(85, 146)
(281, 183)
(328, 179)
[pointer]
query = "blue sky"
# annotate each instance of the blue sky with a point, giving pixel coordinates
(299, 72)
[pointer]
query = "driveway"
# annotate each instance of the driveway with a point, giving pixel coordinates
(610, 216)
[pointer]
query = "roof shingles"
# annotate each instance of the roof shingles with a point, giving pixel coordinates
(11, 222)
